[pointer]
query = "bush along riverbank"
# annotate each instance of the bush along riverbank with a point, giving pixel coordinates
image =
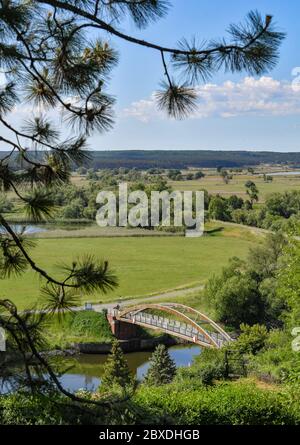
(198, 395)
(88, 332)
(63, 333)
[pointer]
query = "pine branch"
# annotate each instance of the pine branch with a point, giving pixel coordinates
(65, 6)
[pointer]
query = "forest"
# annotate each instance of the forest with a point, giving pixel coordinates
(179, 159)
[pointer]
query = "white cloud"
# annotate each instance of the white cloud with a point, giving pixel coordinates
(143, 110)
(262, 97)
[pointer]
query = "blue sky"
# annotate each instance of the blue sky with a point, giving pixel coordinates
(140, 71)
(235, 112)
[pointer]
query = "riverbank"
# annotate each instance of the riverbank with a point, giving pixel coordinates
(104, 348)
(88, 332)
(132, 345)
(56, 229)
(84, 371)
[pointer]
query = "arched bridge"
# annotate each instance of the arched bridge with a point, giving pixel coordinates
(186, 323)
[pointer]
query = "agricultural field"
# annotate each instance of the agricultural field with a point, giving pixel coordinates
(144, 265)
(215, 185)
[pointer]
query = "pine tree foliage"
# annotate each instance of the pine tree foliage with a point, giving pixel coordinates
(116, 370)
(162, 368)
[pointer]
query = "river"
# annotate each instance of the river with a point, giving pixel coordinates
(30, 229)
(86, 370)
(287, 173)
(24, 229)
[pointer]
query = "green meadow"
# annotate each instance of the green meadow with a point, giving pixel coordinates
(215, 185)
(144, 265)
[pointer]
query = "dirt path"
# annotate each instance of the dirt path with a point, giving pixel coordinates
(132, 301)
(153, 298)
(252, 229)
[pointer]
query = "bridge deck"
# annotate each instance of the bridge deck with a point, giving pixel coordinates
(172, 327)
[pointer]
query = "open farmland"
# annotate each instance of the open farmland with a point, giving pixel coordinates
(215, 185)
(144, 266)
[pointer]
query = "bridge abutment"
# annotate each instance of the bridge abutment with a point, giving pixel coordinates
(122, 330)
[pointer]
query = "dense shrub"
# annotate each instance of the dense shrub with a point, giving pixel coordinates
(245, 291)
(52, 408)
(208, 367)
(252, 339)
(26, 409)
(90, 323)
(281, 211)
(276, 360)
(219, 209)
(205, 374)
(239, 301)
(227, 403)
(284, 204)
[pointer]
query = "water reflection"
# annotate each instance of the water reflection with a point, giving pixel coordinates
(283, 173)
(24, 229)
(28, 229)
(87, 369)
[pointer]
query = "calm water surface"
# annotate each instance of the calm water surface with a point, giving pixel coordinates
(85, 370)
(24, 229)
(294, 173)
(32, 228)
(88, 369)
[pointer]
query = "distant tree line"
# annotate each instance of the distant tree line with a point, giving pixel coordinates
(177, 159)
(280, 212)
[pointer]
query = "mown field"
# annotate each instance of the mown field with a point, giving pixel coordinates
(215, 185)
(144, 266)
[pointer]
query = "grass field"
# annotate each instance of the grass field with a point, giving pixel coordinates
(144, 266)
(215, 185)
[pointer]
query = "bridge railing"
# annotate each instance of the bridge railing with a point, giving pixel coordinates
(175, 326)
